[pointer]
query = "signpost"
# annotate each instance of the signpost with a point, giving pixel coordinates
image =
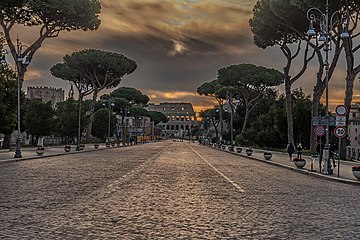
(319, 130)
(340, 130)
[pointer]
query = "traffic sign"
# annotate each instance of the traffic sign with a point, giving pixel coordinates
(315, 121)
(319, 130)
(323, 121)
(340, 131)
(341, 110)
(341, 121)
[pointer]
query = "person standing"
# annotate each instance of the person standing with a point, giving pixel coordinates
(299, 150)
(319, 150)
(290, 149)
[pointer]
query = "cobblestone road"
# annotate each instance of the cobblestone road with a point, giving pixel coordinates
(170, 190)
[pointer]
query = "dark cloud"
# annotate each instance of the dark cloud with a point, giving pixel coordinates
(178, 45)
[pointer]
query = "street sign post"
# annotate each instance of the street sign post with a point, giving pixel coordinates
(340, 131)
(319, 130)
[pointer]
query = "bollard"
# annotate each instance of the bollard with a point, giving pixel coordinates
(313, 157)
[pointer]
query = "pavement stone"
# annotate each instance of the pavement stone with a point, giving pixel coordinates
(171, 190)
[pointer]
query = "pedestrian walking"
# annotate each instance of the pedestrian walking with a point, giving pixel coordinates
(290, 149)
(299, 150)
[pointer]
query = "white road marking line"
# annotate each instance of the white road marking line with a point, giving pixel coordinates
(220, 173)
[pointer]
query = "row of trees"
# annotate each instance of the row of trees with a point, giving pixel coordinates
(284, 24)
(41, 119)
(89, 70)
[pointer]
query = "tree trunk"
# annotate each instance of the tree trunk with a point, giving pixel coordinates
(91, 110)
(246, 118)
(289, 116)
(7, 141)
(315, 113)
(347, 102)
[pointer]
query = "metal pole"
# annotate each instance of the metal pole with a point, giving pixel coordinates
(18, 138)
(19, 68)
(79, 122)
(123, 127)
(231, 121)
(109, 121)
(339, 149)
(326, 154)
(221, 124)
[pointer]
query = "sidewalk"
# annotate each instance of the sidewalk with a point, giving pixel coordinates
(344, 169)
(30, 153)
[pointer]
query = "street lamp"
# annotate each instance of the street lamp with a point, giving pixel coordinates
(219, 109)
(233, 106)
(22, 61)
(123, 113)
(326, 25)
(110, 105)
(82, 89)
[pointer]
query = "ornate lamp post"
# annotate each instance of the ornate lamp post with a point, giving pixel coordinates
(110, 105)
(82, 89)
(220, 111)
(22, 61)
(233, 105)
(326, 25)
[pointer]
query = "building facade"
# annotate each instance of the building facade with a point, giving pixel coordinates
(46, 94)
(353, 129)
(181, 119)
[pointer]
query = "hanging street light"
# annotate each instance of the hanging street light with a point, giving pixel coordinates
(326, 25)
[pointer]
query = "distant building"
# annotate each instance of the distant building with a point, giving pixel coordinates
(181, 118)
(46, 94)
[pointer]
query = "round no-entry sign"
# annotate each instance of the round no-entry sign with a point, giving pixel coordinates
(341, 110)
(319, 130)
(340, 131)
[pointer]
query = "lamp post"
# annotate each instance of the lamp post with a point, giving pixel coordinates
(123, 112)
(22, 61)
(78, 140)
(220, 110)
(326, 24)
(143, 129)
(233, 106)
(110, 105)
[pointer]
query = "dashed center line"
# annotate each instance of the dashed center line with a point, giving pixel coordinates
(218, 171)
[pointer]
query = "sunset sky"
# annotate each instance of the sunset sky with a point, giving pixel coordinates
(177, 44)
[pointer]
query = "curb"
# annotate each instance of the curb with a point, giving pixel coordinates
(56, 155)
(299, 170)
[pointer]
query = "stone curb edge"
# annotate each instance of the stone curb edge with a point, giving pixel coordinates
(303, 171)
(56, 155)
